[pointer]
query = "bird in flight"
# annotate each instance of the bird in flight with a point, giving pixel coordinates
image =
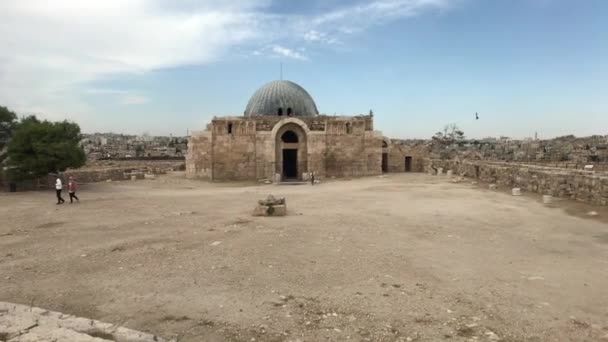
(476, 116)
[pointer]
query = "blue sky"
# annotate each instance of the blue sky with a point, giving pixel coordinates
(166, 67)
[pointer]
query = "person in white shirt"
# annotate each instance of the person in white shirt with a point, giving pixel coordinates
(58, 188)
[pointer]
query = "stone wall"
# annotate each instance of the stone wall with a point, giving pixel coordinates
(233, 150)
(585, 186)
(97, 175)
(198, 159)
(399, 150)
(571, 150)
(353, 155)
(244, 148)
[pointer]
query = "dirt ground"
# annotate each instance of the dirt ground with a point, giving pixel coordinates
(407, 257)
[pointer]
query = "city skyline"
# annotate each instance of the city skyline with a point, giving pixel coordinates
(525, 66)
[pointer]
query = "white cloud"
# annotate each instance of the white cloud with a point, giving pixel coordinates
(286, 52)
(313, 36)
(360, 16)
(51, 50)
(134, 100)
(316, 36)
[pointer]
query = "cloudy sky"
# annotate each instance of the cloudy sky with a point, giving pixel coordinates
(166, 66)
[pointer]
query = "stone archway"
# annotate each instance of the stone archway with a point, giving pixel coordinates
(291, 152)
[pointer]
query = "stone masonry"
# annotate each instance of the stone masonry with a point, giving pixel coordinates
(246, 148)
(585, 186)
(22, 323)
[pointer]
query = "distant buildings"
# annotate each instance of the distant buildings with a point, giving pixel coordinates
(122, 146)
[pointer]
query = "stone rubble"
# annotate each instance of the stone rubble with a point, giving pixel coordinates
(583, 186)
(271, 206)
(22, 323)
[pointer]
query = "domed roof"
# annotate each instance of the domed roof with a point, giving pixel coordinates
(281, 98)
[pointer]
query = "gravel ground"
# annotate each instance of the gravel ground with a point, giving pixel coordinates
(408, 257)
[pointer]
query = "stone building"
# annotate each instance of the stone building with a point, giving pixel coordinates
(282, 136)
(404, 155)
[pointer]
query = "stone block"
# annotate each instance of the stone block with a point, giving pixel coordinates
(547, 199)
(449, 173)
(492, 187)
(270, 210)
(21, 323)
(516, 192)
(271, 206)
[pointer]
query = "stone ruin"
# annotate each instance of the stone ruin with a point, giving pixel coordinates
(23, 323)
(271, 206)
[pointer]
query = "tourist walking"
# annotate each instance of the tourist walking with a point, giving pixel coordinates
(312, 178)
(58, 189)
(72, 190)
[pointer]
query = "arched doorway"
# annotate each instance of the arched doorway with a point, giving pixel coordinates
(291, 153)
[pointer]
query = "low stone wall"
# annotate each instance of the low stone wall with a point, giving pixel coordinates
(99, 175)
(585, 186)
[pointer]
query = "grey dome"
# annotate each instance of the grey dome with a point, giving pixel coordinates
(281, 98)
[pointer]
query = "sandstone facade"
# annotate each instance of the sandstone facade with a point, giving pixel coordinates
(282, 136)
(258, 147)
(405, 155)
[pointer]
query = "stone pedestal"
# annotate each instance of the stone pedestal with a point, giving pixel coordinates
(271, 206)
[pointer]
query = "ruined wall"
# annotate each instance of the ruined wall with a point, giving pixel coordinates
(198, 159)
(234, 149)
(98, 175)
(590, 187)
(316, 153)
(264, 155)
(567, 149)
(398, 150)
(350, 148)
(373, 153)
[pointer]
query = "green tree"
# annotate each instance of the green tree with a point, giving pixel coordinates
(8, 120)
(38, 148)
(139, 151)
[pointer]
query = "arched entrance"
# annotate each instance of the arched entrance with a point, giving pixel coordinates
(291, 153)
